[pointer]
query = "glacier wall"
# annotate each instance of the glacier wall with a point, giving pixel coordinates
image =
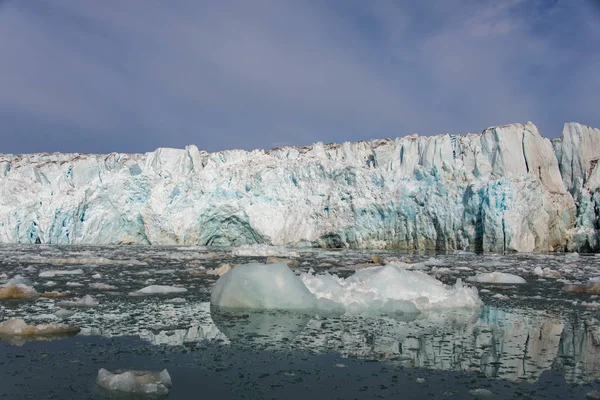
(506, 189)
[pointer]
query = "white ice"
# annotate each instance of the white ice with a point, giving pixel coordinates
(387, 289)
(86, 301)
(52, 274)
(140, 382)
(497, 277)
(159, 289)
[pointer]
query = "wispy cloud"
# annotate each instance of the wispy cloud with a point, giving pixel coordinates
(134, 75)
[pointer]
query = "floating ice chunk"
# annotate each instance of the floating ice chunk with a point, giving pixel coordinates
(165, 271)
(63, 314)
(52, 274)
(74, 284)
(96, 276)
(50, 283)
(570, 257)
(176, 300)
(388, 287)
(263, 250)
(102, 286)
(260, 286)
(289, 261)
(481, 393)
(82, 261)
(86, 301)
(497, 277)
(546, 273)
(222, 270)
(18, 327)
(159, 289)
(141, 382)
(18, 280)
(17, 291)
(588, 288)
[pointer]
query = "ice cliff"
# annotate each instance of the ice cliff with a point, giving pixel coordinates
(507, 188)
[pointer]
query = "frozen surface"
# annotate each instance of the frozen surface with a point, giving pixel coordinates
(507, 188)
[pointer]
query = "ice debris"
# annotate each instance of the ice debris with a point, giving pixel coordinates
(17, 291)
(547, 273)
(158, 289)
(86, 301)
(481, 393)
(497, 277)
(385, 289)
(18, 327)
(102, 286)
(222, 270)
(263, 250)
(52, 274)
(139, 382)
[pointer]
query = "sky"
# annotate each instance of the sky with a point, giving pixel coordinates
(132, 75)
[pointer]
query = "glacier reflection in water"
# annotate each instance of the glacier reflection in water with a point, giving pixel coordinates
(514, 345)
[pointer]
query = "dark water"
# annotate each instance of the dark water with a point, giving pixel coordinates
(529, 341)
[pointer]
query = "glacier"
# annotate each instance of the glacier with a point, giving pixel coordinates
(506, 189)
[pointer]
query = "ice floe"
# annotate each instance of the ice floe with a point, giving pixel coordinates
(18, 327)
(17, 291)
(159, 289)
(139, 382)
(86, 301)
(52, 274)
(497, 277)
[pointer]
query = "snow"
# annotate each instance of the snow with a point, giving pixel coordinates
(387, 289)
(506, 189)
(139, 382)
(159, 289)
(497, 277)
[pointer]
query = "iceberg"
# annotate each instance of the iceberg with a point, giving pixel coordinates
(506, 189)
(389, 290)
(262, 286)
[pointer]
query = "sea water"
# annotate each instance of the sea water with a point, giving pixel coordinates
(531, 339)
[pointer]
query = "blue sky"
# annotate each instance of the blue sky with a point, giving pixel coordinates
(134, 75)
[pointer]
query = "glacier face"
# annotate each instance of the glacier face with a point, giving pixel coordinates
(505, 189)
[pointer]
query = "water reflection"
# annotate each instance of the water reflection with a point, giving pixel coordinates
(514, 345)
